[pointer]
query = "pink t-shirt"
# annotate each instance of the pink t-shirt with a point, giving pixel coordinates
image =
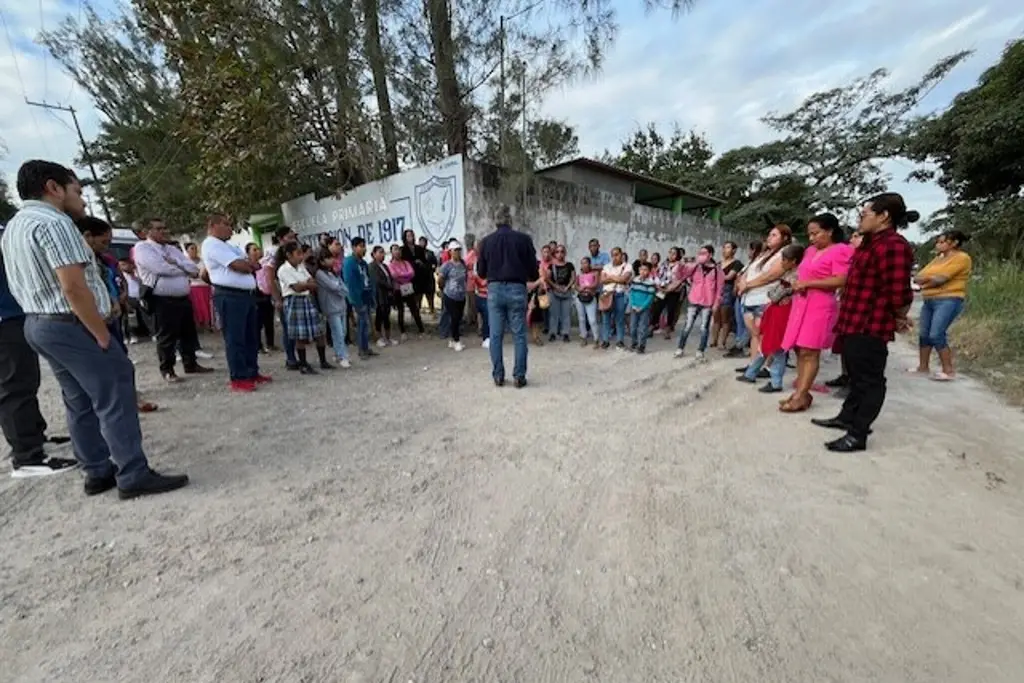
(587, 280)
(402, 272)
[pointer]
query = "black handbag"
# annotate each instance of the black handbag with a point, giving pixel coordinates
(146, 296)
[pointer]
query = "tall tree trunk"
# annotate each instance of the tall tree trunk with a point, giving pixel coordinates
(456, 120)
(378, 66)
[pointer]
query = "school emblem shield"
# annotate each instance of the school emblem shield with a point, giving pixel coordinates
(435, 208)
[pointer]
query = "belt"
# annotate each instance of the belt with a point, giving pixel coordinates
(65, 318)
(236, 290)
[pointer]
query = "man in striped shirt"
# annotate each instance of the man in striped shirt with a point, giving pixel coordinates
(54, 276)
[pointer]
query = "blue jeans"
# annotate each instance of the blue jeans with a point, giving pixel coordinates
(640, 327)
(777, 369)
(936, 317)
(560, 314)
(742, 335)
(618, 310)
(98, 388)
(587, 313)
(482, 316)
(238, 318)
(338, 323)
(506, 307)
(363, 328)
(691, 319)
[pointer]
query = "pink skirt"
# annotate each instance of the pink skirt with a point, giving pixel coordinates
(202, 305)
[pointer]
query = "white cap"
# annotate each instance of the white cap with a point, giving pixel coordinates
(454, 244)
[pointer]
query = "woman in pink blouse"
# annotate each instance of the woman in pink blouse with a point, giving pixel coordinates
(809, 330)
(402, 273)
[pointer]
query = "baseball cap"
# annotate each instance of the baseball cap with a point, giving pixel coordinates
(454, 244)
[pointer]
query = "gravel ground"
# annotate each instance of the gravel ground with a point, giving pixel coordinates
(624, 518)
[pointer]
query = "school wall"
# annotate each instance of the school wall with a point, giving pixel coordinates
(573, 214)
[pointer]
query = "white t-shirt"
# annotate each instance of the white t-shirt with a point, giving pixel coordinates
(217, 255)
(613, 270)
(133, 286)
(758, 296)
(288, 275)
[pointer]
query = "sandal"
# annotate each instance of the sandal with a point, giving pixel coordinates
(942, 377)
(795, 405)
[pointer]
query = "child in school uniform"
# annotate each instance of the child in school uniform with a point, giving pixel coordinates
(642, 290)
(480, 287)
(302, 318)
(773, 325)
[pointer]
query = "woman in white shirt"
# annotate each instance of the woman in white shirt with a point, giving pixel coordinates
(615, 279)
(302, 318)
(755, 282)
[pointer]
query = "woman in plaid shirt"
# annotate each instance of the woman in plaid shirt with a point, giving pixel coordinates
(874, 307)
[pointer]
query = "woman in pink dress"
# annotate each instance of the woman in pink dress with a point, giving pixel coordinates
(809, 330)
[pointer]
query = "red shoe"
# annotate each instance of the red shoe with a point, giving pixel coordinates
(262, 379)
(243, 385)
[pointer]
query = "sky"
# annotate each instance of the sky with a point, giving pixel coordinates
(717, 69)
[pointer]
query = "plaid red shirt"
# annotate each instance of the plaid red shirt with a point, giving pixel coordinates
(877, 286)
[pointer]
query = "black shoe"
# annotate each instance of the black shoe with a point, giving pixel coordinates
(307, 369)
(96, 485)
(838, 382)
(197, 369)
(43, 468)
(499, 382)
(741, 370)
(552, 338)
(633, 347)
(763, 374)
(769, 389)
(620, 345)
(324, 365)
(371, 353)
(152, 483)
(605, 345)
(58, 440)
(847, 444)
(641, 349)
(745, 379)
(734, 353)
(520, 382)
(565, 338)
(831, 423)
(292, 366)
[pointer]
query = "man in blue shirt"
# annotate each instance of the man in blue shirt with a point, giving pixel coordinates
(508, 261)
(22, 422)
(356, 275)
(598, 259)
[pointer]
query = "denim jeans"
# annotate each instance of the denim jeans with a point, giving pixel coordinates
(238, 319)
(936, 316)
(618, 311)
(640, 327)
(560, 321)
(506, 307)
(363, 328)
(482, 316)
(98, 388)
(338, 322)
(742, 334)
(587, 313)
(692, 314)
(777, 369)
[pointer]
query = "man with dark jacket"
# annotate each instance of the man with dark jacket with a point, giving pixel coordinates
(508, 261)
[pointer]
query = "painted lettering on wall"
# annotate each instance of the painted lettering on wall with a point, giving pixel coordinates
(342, 213)
(385, 231)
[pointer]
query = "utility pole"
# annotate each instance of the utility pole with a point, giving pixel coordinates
(501, 93)
(524, 137)
(85, 151)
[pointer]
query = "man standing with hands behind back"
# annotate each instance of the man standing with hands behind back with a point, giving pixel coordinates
(507, 260)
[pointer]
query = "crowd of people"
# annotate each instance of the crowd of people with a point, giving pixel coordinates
(67, 300)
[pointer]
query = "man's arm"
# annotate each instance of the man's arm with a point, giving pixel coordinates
(481, 261)
(530, 253)
(896, 264)
(148, 259)
(83, 304)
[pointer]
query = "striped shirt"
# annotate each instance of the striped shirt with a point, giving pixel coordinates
(38, 241)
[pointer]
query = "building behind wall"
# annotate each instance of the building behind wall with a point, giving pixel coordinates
(583, 199)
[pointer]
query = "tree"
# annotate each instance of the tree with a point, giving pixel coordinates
(976, 149)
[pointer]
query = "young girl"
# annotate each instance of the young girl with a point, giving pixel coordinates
(383, 288)
(332, 296)
(452, 279)
(586, 301)
(773, 325)
(302, 318)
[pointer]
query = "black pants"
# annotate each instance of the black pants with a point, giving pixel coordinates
(23, 424)
(412, 302)
(174, 323)
(382, 317)
(672, 307)
(865, 361)
(456, 309)
(265, 319)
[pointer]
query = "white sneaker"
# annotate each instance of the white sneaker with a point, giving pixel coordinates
(394, 342)
(451, 344)
(50, 465)
(382, 343)
(205, 355)
(344, 362)
(486, 343)
(700, 355)
(458, 346)
(678, 353)
(133, 340)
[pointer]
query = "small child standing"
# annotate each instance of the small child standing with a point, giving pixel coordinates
(302, 319)
(773, 325)
(641, 298)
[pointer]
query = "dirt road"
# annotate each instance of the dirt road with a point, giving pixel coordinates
(625, 518)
